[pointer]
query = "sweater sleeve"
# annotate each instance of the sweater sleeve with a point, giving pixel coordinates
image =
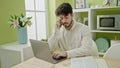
(53, 40)
(86, 46)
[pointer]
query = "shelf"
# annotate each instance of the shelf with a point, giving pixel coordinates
(99, 8)
(92, 14)
(101, 54)
(101, 31)
(81, 10)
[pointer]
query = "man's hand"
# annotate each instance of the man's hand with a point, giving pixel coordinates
(58, 55)
(58, 24)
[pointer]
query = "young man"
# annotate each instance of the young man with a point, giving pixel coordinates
(72, 37)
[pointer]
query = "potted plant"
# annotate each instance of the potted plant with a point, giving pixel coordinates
(20, 22)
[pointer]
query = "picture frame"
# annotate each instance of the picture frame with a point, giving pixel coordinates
(79, 4)
(118, 2)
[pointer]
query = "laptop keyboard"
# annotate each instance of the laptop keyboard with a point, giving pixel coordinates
(59, 58)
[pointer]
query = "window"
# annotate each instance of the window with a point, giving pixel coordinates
(36, 9)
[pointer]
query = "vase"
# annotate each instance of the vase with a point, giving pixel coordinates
(22, 35)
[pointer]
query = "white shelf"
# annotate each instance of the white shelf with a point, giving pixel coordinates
(100, 53)
(81, 10)
(101, 31)
(92, 17)
(101, 8)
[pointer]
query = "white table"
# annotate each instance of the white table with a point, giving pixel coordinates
(37, 63)
(14, 53)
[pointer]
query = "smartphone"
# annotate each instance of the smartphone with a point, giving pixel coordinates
(60, 23)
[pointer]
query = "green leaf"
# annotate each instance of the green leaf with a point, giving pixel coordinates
(11, 25)
(28, 19)
(22, 15)
(25, 23)
(12, 16)
(20, 23)
(11, 20)
(16, 17)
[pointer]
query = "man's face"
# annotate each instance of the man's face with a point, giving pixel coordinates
(66, 20)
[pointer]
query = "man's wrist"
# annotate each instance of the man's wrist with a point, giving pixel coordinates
(65, 54)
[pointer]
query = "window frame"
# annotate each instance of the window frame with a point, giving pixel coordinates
(46, 19)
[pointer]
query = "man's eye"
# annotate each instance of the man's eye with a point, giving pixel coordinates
(61, 18)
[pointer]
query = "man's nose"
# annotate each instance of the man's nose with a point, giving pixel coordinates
(64, 20)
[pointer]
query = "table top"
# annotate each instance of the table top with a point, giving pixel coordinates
(15, 46)
(37, 63)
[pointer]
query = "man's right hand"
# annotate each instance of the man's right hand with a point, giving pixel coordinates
(58, 55)
(58, 24)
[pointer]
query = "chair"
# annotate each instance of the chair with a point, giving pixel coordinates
(94, 48)
(113, 52)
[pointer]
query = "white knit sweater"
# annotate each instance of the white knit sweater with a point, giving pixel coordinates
(76, 42)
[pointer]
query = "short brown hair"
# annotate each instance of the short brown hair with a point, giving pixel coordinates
(64, 9)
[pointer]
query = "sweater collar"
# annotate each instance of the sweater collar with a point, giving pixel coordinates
(73, 25)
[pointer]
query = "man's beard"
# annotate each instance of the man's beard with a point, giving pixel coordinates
(69, 26)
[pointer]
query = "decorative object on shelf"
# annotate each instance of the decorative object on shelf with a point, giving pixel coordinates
(79, 4)
(118, 2)
(108, 2)
(85, 20)
(21, 22)
(102, 44)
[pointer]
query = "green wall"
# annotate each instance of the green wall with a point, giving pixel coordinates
(51, 15)
(7, 8)
(58, 2)
(111, 36)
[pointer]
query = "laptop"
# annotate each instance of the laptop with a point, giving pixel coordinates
(41, 50)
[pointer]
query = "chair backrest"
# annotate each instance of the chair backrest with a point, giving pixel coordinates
(94, 48)
(113, 52)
